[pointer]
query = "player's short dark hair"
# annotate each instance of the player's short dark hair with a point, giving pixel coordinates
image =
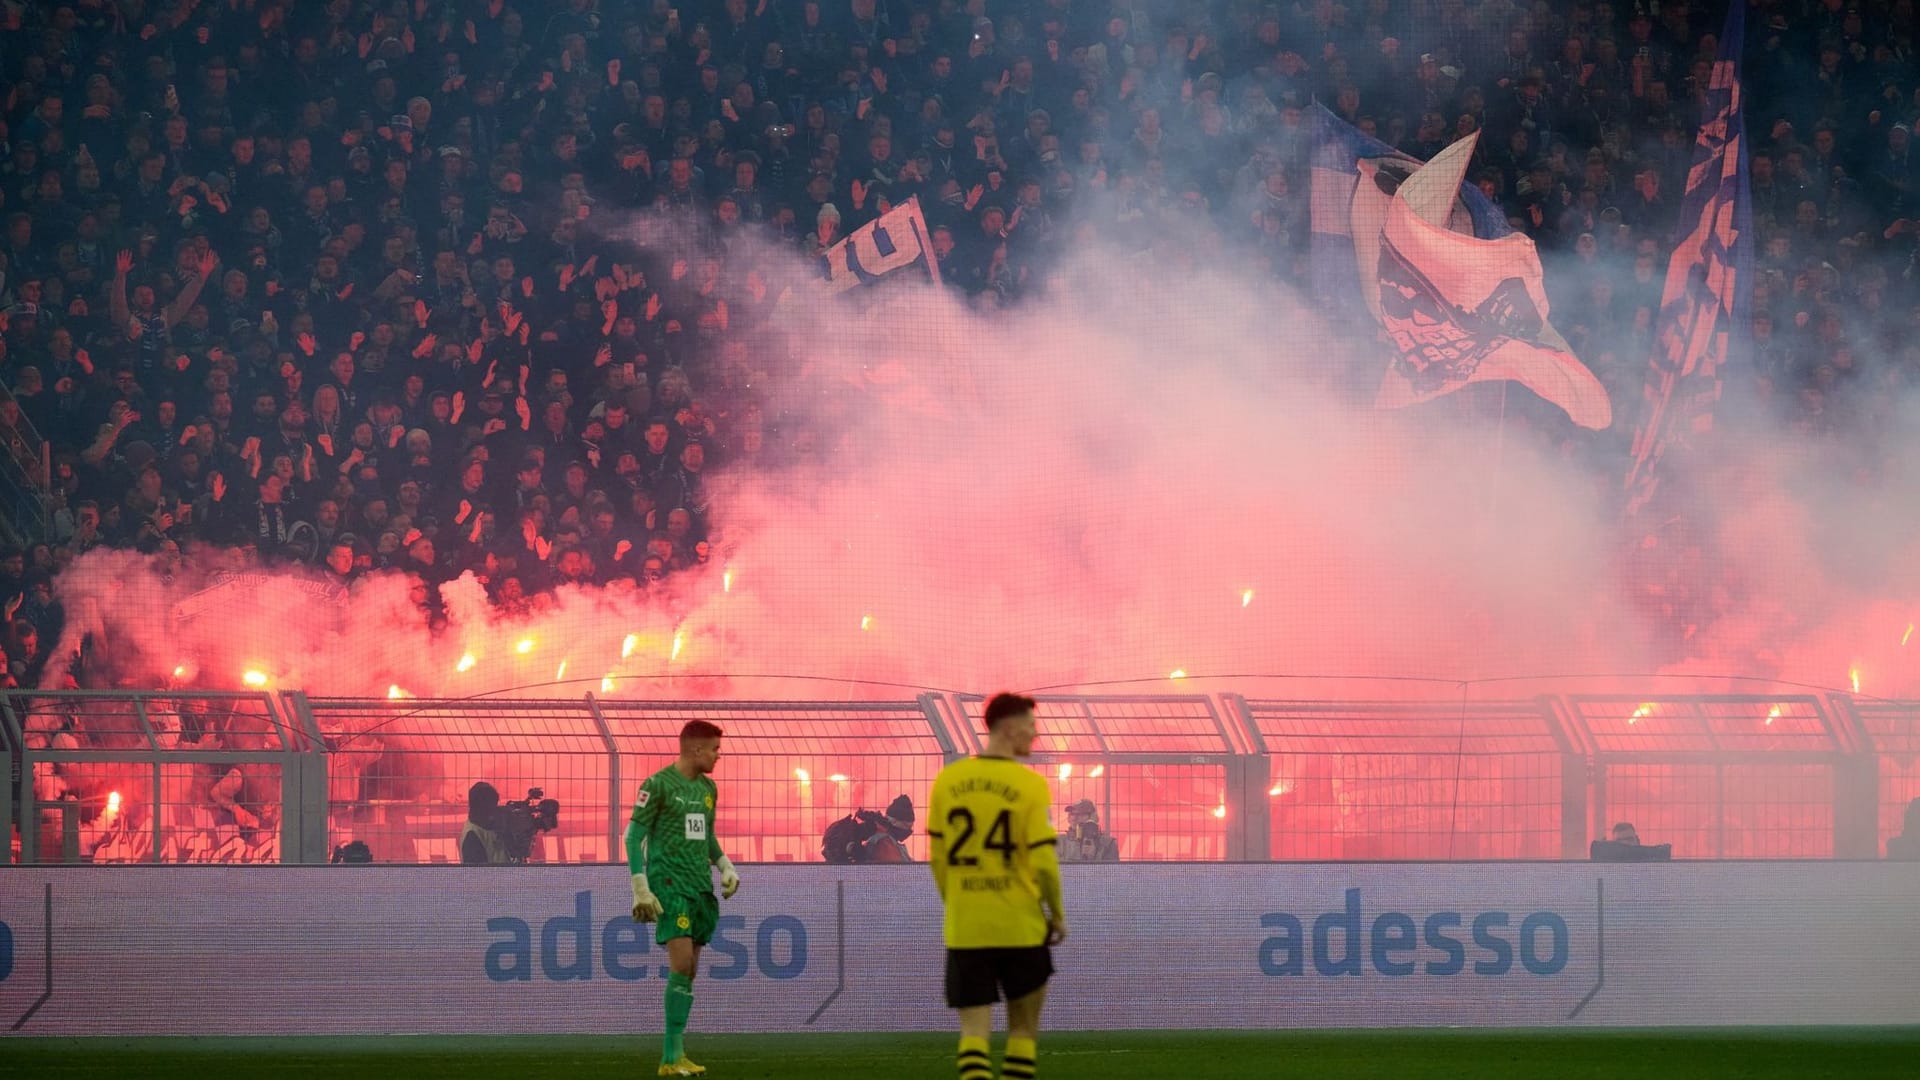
(699, 729)
(1005, 705)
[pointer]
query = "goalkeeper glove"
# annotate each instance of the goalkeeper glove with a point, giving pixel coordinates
(729, 877)
(646, 906)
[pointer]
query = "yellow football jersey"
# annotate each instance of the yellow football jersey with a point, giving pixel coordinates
(988, 823)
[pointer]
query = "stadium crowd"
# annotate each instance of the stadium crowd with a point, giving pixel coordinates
(486, 285)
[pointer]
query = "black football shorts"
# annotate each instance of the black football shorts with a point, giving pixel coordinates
(980, 976)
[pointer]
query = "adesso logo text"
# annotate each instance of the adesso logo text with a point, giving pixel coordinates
(1344, 942)
(776, 947)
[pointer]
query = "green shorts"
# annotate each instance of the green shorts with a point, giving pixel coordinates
(688, 915)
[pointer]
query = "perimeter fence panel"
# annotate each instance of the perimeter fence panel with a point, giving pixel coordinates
(1163, 772)
(789, 769)
(110, 777)
(1717, 776)
(400, 771)
(1440, 779)
(1891, 730)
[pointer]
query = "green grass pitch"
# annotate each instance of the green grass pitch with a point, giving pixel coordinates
(1338, 1055)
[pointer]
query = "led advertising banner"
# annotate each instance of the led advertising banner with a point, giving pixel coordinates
(368, 949)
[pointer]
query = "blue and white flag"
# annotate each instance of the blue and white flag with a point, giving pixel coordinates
(1703, 307)
(896, 240)
(1353, 180)
(1457, 296)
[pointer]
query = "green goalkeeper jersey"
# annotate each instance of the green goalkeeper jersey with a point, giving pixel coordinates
(673, 816)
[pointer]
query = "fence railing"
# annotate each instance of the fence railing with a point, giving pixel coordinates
(26, 468)
(206, 777)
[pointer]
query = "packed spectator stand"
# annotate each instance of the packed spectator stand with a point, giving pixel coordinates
(489, 285)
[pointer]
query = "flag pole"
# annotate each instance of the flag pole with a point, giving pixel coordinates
(924, 235)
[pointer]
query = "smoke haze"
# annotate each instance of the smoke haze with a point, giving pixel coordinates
(1156, 469)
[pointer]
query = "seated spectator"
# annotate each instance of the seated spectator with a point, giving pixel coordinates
(1626, 847)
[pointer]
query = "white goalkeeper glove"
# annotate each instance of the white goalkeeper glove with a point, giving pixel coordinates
(729, 877)
(646, 906)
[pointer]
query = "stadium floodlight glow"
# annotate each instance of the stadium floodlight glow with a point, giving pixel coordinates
(628, 644)
(1066, 769)
(466, 663)
(524, 646)
(254, 678)
(803, 776)
(1097, 772)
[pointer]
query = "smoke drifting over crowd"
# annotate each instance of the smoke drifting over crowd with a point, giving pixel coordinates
(1153, 472)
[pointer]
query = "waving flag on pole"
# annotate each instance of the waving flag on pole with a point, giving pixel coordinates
(1703, 307)
(896, 240)
(1457, 293)
(1460, 310)
(1354, 177)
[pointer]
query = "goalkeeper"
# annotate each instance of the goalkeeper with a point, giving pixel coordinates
(671, 847)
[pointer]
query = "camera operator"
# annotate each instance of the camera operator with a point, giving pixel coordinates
(867, 836)
(1085, 840)
(500, 833)
(480, 843)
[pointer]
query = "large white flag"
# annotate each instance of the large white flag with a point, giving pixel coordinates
(1458, 309)
(892, 242)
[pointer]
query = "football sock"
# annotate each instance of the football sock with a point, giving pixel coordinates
(1020, 1057)
(679, 1007)
(973, 1061)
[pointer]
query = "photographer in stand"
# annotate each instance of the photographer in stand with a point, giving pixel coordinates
(1084, 839)
(498, 834)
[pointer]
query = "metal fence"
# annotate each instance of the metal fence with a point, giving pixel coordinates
(173, 777)
(24, 483)
(130, 777)
(789, 768)
(1726, 777)
(1414, 780)
(399, 769)
(1890, 732)
(1164, 773)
